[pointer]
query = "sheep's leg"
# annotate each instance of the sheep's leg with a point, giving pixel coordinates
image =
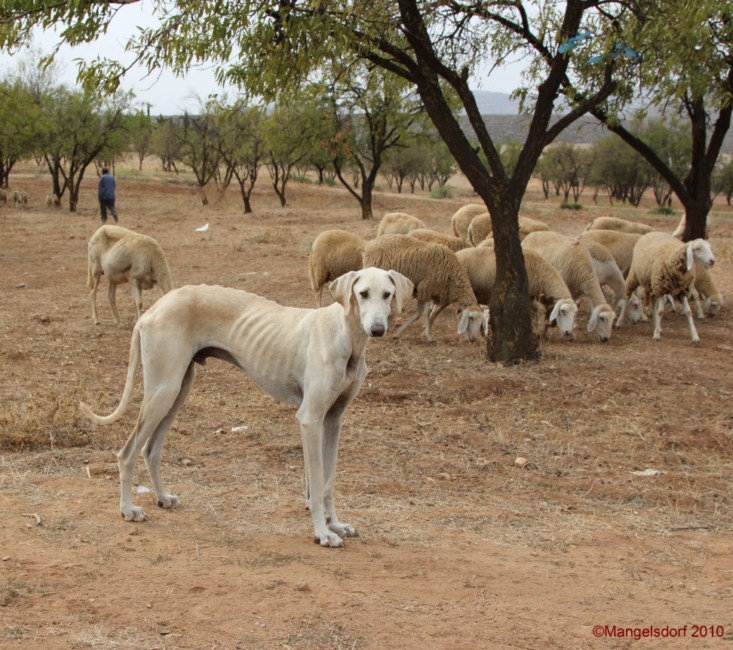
(427, 321)
(112, 303)
(657, 312)
(413, 317)
(690, 321)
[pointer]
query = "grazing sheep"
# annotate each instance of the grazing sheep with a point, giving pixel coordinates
(620, 244)
(436, 275)
(52, 200)
(708, 298)
(575, 265)
(333, 253)
(125, 256)
(664, 267)
(614, 223)
(609, 275)
(398, 223)
(462, 217)
(546, 286)
(20, 199)
(433, 237)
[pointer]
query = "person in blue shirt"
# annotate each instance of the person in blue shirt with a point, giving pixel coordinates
(106, 195)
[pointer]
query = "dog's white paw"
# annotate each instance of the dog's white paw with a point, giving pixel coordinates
(343, 530)
(329, 540)
(134, 513)
(168, 501)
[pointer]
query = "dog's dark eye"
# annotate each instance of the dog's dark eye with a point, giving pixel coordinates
(387, 295)
(364, 294)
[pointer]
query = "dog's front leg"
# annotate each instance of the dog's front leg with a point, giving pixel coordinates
(311, 429)
(331, 432)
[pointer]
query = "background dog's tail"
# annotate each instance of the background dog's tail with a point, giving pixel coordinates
(129, 385)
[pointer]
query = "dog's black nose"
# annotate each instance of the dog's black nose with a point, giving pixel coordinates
(378, 330)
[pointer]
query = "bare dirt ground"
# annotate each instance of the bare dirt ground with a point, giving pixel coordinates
(459, 546)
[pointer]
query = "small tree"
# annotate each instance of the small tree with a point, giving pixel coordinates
(620, 170)
(198, 139)
(140, 127)
(241, 145)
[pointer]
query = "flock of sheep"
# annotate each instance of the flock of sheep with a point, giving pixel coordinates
(621, 268)
(613, 262)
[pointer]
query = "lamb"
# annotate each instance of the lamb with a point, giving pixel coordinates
(436, 275)
(398, 223)
(614, 223)
(546, 286)
(52, 200)
(462, 217)
(575, 265)
(125, 256)
(619, 243)
(333, 253)
(664, 267)
(433, 237)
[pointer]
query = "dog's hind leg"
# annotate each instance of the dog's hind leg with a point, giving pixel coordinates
(111, 296)
(162, 391)
(153, 450)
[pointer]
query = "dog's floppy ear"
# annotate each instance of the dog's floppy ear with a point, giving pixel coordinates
(403, 288)
(341, 289)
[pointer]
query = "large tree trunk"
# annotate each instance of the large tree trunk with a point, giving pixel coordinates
(366, 198)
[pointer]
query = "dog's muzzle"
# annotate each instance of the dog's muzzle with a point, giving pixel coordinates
(377, 330)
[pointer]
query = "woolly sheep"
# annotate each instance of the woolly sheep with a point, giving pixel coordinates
(462, 217)
(333, 253)
(546, 286)
(436, 275)
(664, 267)
(575, 265)
(614, 223)
(125, 256)
(398, 223)
(433, 237)
(619, 243)
(52, 200)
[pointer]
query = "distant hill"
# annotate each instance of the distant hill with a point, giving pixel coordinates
(504, 123)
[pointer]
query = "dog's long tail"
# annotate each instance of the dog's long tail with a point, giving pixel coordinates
(129, 385)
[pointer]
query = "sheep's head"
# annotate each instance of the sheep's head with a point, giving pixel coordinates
(699, 250)
(564, 314)
(470, 322)
(635, 308)
(601, 321)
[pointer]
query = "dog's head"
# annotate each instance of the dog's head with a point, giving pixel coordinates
(375, 293)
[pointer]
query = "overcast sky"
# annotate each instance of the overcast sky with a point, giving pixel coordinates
(167, 94)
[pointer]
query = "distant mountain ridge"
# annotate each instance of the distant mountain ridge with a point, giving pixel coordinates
(501, 115)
